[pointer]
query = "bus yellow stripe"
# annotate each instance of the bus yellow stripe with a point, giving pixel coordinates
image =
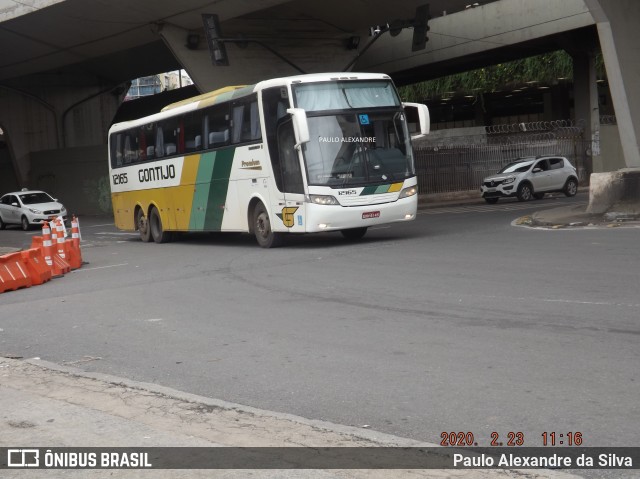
(395, 187)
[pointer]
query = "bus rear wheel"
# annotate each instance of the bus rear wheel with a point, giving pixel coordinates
(353, 234)
(262, 229)
(142, 224)
(158, 234)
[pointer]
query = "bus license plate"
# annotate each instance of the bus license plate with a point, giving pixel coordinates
(370, 214)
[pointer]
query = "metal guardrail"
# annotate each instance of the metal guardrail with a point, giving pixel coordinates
(461, 167)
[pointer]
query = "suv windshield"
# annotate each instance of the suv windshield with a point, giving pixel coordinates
(517, 167)
(35, 198)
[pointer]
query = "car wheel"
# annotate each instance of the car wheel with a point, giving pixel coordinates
(538, 196)
(262, 229)
(142, 223)
(155, 225)
(491, 201)
(524, 192)
(3, 225)
(353, 234)
(24, 222)
(571, 187)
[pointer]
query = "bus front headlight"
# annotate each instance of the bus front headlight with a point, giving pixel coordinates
(323, 200)
(409, 191)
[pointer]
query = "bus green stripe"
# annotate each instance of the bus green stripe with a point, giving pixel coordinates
(219, 186)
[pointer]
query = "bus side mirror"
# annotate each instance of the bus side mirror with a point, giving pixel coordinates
(418, 119)
(300, 125)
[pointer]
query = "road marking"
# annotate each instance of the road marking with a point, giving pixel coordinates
(491, 208)
(116, 233)
(99, 267)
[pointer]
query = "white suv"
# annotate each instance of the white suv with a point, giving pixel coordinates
(532, 177)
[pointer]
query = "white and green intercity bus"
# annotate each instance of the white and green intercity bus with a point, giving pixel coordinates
(302, 154)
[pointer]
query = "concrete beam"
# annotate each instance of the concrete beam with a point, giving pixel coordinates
(253, 63)
(474, 31)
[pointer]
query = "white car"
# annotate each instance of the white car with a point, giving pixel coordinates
(527, 178)
(29, 207)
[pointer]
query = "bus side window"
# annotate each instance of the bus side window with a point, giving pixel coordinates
(274, 106)
(159, 142)
(216, 127)
(130, 155)
(193, 132)
(116, 150)
(237, 121)
(142, 145)
(255, 133)
(291, 173)
(246, 122)
(168, 130)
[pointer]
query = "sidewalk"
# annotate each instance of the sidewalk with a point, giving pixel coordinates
(577, 216)
(46, 405)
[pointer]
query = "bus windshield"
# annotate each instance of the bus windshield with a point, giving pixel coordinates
(364, 140)
(358, 148)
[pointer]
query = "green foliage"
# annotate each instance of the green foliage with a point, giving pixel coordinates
(544, 69)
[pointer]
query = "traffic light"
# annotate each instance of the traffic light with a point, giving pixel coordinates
(420, 28)
(212, 31)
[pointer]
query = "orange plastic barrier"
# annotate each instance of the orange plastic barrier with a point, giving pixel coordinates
(38, 269)
(50, 256)
(13, 273)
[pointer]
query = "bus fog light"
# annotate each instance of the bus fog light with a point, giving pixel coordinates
(323, 226)
(409, 217)
(410, 191)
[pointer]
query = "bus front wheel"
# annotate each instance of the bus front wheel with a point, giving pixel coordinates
(353, 234)
(142, 224)
(262, 228)
(158, 234)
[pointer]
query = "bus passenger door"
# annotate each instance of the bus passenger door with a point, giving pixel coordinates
(292, 212)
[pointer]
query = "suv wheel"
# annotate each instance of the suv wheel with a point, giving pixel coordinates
(524, 192)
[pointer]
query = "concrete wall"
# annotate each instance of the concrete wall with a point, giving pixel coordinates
(7, 174)
(48, 113)
(78, 177)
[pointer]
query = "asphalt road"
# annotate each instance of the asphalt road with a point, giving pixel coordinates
(458, 321)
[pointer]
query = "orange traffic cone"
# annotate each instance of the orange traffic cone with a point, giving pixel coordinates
(58, 265)
(73, 245)
(46, 245)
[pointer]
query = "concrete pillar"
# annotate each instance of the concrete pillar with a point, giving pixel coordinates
(619, 35)
(585, 97)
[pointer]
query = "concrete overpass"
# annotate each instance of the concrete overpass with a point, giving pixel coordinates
(65, 63)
